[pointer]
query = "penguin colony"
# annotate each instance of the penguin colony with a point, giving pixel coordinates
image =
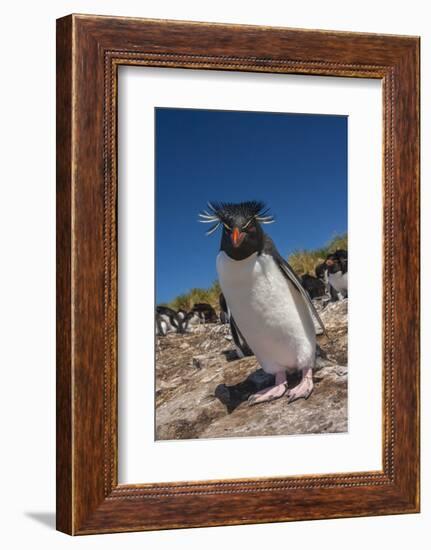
(169, 320)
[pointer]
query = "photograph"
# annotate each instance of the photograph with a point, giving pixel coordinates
(251, 276)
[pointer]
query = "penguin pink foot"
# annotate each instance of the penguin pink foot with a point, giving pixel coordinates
(303, 389)
(271, 393)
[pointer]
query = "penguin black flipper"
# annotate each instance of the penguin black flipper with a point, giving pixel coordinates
(237, 336)
(288, 272)
(291, 275)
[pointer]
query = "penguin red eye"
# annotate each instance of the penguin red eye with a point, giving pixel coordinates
(249, 227)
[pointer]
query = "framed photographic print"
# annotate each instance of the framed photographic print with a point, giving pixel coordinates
(237, 274)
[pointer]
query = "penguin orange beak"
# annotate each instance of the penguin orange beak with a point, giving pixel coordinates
(237, 237)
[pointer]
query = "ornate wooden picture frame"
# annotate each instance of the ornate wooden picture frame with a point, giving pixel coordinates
(89, 51)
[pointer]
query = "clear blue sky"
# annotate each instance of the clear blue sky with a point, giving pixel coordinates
(297, 164)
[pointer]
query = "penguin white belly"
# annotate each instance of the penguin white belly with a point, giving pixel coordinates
(167, 321)
(338, 281)
(269, 311)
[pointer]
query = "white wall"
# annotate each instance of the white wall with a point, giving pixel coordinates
(27, 118)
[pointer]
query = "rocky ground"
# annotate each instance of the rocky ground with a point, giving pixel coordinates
(202, 387)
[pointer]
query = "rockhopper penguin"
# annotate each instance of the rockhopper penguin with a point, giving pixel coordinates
(336, 265)
(265, 297)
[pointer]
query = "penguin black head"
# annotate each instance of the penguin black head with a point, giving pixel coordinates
(336, 262)
(241, 225)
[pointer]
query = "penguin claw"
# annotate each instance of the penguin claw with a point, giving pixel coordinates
(303, 390)
(268, 394)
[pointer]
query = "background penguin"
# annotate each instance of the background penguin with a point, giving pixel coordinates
(337, 272)
(182, 314)
(161, 325)
(170, 316)
(341, 254)
(265, 297)
(313, 285)
(321, 271)
(206, 312)
(192, 318)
